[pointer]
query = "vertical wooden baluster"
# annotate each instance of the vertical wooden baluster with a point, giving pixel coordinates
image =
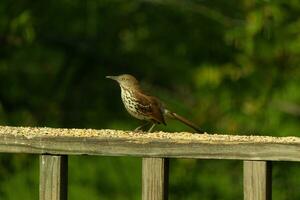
(257, 180)
(53, 177)
(155, 178)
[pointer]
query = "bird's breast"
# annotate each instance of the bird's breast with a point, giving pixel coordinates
(131, 102)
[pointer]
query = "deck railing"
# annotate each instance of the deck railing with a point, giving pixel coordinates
(54, 146)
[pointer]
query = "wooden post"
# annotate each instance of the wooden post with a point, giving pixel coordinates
(155, 177)
(257, 180)
(53, 177)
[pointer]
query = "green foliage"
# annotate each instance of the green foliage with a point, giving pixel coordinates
(231, 66)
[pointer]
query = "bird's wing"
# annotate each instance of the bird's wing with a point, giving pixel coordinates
(151, 106)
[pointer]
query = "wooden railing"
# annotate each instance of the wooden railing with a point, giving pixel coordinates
(53, 146)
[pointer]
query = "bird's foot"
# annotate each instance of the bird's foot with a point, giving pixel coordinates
(151, 128)
(139, 128)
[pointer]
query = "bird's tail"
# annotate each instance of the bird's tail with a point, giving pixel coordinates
(183, 120)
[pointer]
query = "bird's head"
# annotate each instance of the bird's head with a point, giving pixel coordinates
(126, 81)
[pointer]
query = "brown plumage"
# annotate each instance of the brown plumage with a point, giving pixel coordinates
(145, 107)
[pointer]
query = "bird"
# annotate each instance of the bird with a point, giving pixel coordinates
(145, 107)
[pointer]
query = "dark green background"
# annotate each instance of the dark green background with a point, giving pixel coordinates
(230, 66)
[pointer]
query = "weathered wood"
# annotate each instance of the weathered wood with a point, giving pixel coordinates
(53, 177)
(157, 144)
(155, 178)
(257, 180)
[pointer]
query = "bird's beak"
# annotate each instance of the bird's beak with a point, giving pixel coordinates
(112, 77)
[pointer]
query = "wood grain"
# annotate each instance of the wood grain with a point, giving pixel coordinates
(155, 173)
(257, 180)
(121, 143)
(53, 177)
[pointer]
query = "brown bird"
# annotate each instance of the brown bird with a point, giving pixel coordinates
(143, 106)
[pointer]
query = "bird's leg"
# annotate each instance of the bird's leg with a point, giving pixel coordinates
(142, 126)
(151, 128)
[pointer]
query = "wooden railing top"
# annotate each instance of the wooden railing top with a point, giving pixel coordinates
(157, 144)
